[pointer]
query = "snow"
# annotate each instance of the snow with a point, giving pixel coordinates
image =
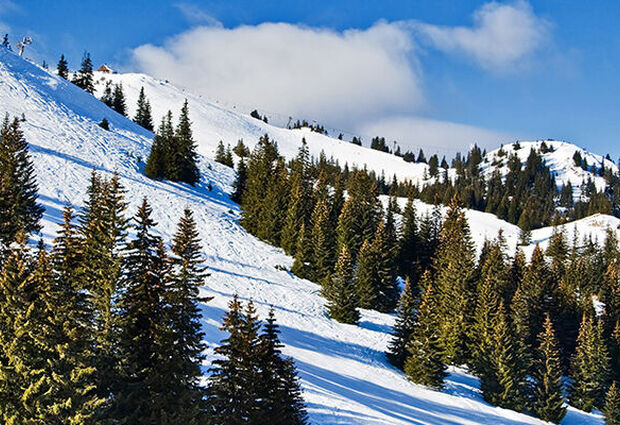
(344, 374)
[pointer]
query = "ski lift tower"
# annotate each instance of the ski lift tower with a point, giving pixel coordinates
(21, 44)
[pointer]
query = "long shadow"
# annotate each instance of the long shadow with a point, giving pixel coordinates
(395, 404)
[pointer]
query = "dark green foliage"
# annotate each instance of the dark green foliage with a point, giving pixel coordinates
(241, 150)
(62, 68)
(84, 77)
(322, 241)
(548, 392)
(118, 101)
(505, 385)
(387, 290)
(409, 243)
(298, 211)
(108, 95)
(340, 291)
(611, 410)
(104, 124)
(425, 364)
(403, 327)
(143, 343)
(589, 367)
(366, 277)
(482, 328)
(454, 273)
(241, 181)
(144, 116)
(303, 253)
(19, 210)
(159, 157)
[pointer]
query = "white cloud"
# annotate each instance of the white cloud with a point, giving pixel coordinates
(316, 73)
(503, 36)
(442, 137)
(196, 15)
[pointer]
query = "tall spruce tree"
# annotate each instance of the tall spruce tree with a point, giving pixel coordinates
(548, 390)
(62, 69)
(184, 157)
(19, 210)
(240, 182)
(408, 243)
(366, 276)
(302, 264)
(143, 115)
(159, 158)
(143, 326)
(340, 291)
(483, 328)
(322, 241)
(118, 100)
(425, 364)
(403, 327)
(84, 77)
(611, 410)
(387, 286)
(455, 272)
(182, 395)
(108, 95)
(589, 367)
(281, 400)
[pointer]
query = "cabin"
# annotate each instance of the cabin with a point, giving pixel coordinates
(105, 69)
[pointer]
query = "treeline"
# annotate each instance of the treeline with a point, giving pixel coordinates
(105, 328)
(520, 327)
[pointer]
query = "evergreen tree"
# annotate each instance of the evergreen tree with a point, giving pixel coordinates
(281, 400)
(108, 95)
(62, 68)
(506, 386)
(240, 183)
(483, 328)
(404, 326)
(425, 364)
(408, 244)
(366, 277)
(143, 115)
(387, 286)
(184, 157)
(84, 77)
(182, 395)
(118, 100)
(454, 268)
(340, 291)
(322, 241)
(143, 326)
(5, 42)
(589, 367)
(611, 410)
(159, 158)
(301, 265)
(548, 391)
(19, 210)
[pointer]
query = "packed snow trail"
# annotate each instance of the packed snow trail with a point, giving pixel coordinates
(345, 377)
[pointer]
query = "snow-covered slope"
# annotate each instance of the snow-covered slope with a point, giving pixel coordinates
(345, 377)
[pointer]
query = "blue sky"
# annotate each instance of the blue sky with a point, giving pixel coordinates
(498, 70)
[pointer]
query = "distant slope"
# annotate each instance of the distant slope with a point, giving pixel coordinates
(345, 377)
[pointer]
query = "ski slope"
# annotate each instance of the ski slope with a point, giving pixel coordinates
(344, 375)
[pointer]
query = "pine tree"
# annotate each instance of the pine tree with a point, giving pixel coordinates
(182, 395)
(5, 42)
(184, 157)
(425, 364)
(84, 77)
(143, 115)
(236, 392)
(548, 391)
(454, 267)
(118, 100)
(322, 240)
(506, 387)
(281, 400)
(366, 277)
(408, 244)
(404, 325)
(159, 158)
(62, 68)
(589, 367)
(108, 95)
(19, 210)
(482, 328)
(387, 286)
(241, 181)
(143, 330)
(301, 265)
(611, 410)
(340, 291)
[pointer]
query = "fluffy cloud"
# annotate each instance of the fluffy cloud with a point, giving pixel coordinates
(503, 36)
(342, 77)
(433, 135)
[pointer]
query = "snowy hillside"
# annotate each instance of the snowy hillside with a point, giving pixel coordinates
(345, 377)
